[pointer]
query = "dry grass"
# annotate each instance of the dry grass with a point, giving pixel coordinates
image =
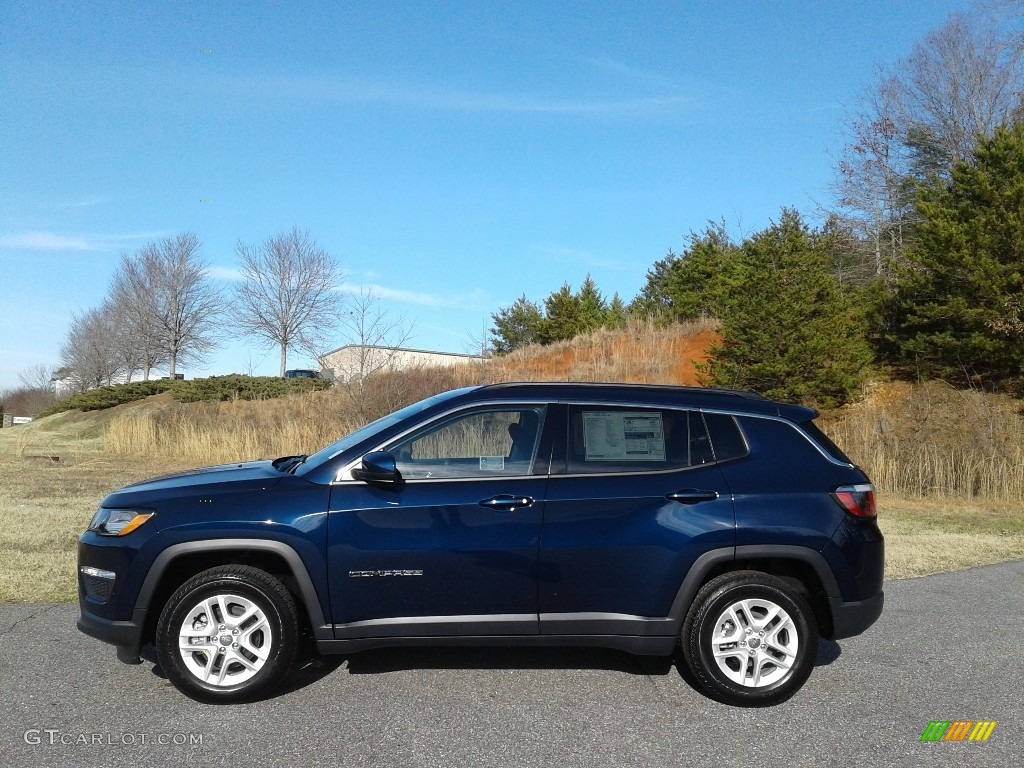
(211, 433)
(924, 536)
(642, 353)
(930, 440)
(50, 485)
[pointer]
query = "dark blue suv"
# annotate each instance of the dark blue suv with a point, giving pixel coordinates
(641, 518)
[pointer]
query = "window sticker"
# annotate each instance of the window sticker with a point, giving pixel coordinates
(623, 436)
(492, 462)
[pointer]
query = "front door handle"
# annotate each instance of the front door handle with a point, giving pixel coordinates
(507, 502)
(692, 496)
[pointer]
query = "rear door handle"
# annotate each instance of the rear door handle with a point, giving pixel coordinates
(692, 496)
(507, 503)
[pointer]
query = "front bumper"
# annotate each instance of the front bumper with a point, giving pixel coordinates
(125, 635)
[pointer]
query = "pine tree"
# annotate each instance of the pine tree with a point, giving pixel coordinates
(592, 307)
(563, 316)
(789, 330)
(684, 287)
(516, 326)
(957, 306)
(615, 317)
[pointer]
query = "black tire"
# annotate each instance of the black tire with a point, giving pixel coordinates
(756, 673)
(264, 644)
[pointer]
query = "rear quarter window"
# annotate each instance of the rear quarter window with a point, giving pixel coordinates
(824, 441)
(726, 438)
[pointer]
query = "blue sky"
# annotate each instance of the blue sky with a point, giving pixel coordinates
(452, 155)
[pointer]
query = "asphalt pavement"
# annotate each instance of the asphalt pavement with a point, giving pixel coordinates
(947, 647)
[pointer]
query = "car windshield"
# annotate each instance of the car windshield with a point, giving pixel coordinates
(354, 438)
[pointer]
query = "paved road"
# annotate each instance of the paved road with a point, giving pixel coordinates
(948, 647)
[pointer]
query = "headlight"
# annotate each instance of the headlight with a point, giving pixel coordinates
(117, 522)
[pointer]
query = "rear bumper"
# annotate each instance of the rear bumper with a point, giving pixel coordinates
(125, 635)
(852, 618)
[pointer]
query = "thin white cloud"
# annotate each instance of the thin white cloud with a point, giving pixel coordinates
(44, 241)
(425, 96)
(89, 202)
(585, 258)
(136, 236)
(228, 274)
(625, 71)
(51, 241)
(473, 300)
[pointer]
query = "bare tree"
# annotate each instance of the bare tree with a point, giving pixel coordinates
(873, 188)
(165, 288)
(140, 339)
(375, 340)
(26, 401)
(89, 352)
(34, 396)
(959, 83)
(39, 376)
(287, 296)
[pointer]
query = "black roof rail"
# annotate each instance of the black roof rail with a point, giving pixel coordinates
(630, 385)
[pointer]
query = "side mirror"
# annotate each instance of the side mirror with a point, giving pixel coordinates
(378, 467)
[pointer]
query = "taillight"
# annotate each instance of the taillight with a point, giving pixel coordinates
(858, 500)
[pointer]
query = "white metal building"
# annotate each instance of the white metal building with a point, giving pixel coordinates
(355, 361)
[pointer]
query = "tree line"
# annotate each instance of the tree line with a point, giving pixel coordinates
(918, 265)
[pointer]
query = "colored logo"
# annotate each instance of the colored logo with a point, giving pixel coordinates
(958, 730)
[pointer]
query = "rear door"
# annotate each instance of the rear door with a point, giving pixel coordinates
(635, 499)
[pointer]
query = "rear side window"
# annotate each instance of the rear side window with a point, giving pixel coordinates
(824, 441)
(604, 439)
(726, 438)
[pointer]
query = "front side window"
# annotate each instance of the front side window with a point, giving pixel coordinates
(482, 443)
(623, 439)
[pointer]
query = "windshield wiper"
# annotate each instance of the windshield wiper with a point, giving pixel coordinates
(288, 463)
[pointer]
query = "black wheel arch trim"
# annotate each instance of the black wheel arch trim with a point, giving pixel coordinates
(308, 594)
(703, 565)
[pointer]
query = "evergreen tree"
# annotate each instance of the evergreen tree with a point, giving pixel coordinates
(615, 317)
(563, 316)
(789, 331)
(516, 326)
(684, 287)
(957, 304)
(592, 307)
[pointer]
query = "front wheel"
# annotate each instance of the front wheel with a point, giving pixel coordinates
(227, 634)
(749, 639)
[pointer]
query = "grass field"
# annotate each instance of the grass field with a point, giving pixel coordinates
(52, 477)
(53, 474)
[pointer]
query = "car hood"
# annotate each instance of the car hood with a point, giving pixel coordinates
(244, 476)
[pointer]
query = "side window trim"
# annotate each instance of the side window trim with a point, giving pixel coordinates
(344, 474)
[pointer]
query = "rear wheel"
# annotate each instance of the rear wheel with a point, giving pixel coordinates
(228, 634)
(749, 639)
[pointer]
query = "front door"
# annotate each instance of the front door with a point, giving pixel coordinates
(453, 548)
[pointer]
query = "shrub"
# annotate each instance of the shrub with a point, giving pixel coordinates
(108, 397)
(215, 388)
(238, 387)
